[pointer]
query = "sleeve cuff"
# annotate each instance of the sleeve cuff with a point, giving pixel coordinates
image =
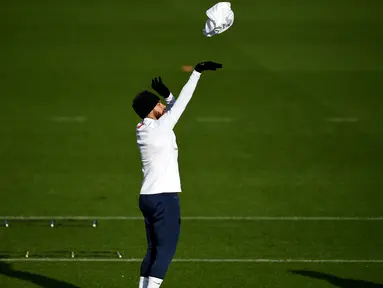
(169, 98)
(196, 74)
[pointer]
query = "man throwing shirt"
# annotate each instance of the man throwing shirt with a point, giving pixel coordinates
(158, 201)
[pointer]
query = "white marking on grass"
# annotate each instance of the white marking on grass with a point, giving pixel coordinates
(194, 260)
(342, 120)
(69, 119)
(206, 218)
(214, 119)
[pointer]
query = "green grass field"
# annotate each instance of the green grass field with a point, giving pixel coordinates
(298, 132)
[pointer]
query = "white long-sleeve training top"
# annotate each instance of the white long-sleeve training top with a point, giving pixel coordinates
(158, 147)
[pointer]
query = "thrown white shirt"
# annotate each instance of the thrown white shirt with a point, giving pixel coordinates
(158, 147)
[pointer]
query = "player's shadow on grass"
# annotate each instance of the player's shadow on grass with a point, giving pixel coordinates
(42, 281)
(337, 281)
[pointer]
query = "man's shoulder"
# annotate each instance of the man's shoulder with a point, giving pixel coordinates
(140, 125)
(145, 125)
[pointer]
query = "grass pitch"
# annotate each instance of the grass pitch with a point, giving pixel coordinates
(292, 126)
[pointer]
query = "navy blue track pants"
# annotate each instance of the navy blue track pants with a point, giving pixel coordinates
(162, 222)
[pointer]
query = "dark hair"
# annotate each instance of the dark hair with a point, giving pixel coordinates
(144, 103)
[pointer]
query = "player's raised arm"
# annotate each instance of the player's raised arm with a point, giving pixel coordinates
(171, 117)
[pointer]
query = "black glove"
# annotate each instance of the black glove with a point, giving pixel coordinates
(160, 88)
(208, 65)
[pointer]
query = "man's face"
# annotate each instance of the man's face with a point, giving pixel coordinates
(159, 110)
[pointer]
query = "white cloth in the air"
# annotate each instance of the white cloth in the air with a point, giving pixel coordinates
(221, 18)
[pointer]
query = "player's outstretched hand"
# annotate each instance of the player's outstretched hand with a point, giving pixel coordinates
(207, 66)
(160, 87)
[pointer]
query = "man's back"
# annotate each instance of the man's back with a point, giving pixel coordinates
(159, 155)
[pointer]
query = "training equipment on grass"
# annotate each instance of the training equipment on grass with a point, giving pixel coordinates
(69, 255)
(59, 221)
(221, 18)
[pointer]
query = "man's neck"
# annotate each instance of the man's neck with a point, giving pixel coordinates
(151, 116)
